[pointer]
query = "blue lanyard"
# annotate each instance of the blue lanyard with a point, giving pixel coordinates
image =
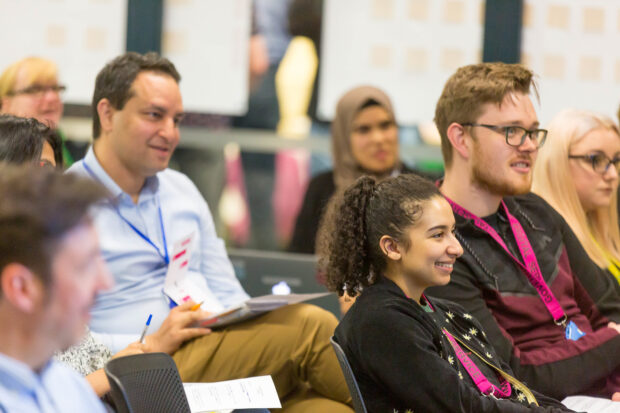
(165, 255)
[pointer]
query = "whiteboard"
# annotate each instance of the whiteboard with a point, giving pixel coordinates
(208, 41)
(408, 48)
(79, 35)
(574, 49)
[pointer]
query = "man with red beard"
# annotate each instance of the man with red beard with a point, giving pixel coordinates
(549, 311)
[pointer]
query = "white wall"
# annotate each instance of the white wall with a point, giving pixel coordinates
(208, 41)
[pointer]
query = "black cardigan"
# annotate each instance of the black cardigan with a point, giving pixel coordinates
(402, 360)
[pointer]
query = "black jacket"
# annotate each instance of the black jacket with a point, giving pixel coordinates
(488, 284)
(402, 360)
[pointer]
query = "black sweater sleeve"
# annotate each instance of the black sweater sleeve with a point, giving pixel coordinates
(397, 352)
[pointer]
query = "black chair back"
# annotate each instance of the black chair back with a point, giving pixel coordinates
(356, 394)
(146, 383)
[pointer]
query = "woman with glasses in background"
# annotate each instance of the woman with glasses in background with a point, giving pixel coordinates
(29, 88)
(577, 173)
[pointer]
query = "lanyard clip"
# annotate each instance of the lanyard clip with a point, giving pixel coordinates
(492, 395)
(561, 321)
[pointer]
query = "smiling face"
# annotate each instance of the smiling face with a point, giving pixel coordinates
(495, 166)
(427, 258)
(142, 136)
(595, 190)
(374, 140)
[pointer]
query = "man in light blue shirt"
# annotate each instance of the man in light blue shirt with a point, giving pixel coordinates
(137, 108)
(50, 271)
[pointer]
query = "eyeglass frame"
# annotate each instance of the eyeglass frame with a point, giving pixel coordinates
(526, 132)
(35, 90)
(590, 157)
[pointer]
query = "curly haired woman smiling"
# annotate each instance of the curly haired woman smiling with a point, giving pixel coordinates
(389, 242)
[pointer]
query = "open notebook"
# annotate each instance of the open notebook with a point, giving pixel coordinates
(255, 307)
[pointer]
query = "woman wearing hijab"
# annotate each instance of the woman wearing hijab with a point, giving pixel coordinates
(364, 142)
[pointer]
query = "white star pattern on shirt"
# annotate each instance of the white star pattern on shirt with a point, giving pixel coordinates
(449, 314)
(460, 375)
(488, 355)
(467, 316)
(473, 331)
(521, 397)
(450, 359)
(467, 337)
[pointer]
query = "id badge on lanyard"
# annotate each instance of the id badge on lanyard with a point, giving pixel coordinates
(530, 266)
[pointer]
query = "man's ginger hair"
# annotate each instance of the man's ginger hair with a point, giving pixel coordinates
(470, 88)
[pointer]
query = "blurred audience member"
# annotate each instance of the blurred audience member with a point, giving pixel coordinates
(577, 173)
(50, 271)
(364, 141)
(30, 88)
(25, 140)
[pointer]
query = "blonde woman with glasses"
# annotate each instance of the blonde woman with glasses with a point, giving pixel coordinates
(577, 173)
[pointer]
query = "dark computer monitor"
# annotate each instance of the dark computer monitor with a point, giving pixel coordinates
(266, 272)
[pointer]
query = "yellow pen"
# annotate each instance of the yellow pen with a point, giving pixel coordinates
(196, 306)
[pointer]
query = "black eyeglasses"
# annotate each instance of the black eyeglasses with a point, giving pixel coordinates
(38, 90)
(600, 163)
(515, 135)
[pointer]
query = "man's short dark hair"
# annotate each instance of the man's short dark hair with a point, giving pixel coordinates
(38, 207)
(115, 79)
(21, 139)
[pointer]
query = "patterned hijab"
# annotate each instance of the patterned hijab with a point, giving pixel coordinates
(346, 168)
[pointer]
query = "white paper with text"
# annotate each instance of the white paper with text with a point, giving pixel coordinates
(251, 393)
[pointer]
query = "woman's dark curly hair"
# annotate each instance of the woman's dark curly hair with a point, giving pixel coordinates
(354, 224)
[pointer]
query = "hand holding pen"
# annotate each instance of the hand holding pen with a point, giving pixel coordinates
(177, 328)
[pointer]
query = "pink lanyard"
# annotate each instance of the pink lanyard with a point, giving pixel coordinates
(484, 385)
(531, 268)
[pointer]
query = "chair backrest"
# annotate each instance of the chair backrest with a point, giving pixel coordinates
(356, 394)
(146, 383)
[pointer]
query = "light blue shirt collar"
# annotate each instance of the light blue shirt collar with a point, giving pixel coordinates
(54, 389)
(23, 378)
(92, 165)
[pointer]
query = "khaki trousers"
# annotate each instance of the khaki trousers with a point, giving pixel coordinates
(291, 344)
